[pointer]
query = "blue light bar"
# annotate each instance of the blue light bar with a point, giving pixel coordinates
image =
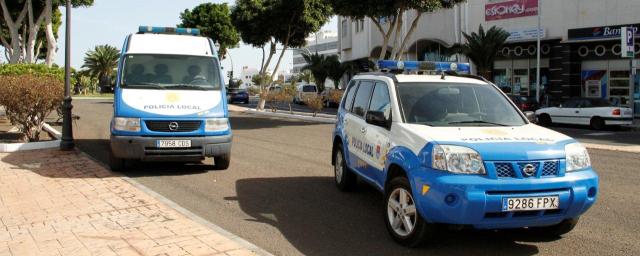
(436, 66)
(169, 30)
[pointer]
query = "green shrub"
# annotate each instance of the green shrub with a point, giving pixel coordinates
(32, 69)
(28, 100)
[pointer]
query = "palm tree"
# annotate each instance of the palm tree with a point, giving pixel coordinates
(316, 63)
(101, 63)
(482, 48)
(335, 69)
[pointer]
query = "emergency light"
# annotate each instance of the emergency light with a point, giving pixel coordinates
(169, 30)
(433, 66)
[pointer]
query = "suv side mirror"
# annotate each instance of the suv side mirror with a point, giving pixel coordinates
(531, 116)
(377, 118)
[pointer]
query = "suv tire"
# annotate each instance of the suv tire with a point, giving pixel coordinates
(559, 229)
(345, 179)
(398, 215)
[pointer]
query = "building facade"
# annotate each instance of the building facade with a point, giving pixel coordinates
(580, 44)
(323, 42)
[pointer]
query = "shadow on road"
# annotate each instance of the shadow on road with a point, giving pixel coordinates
(332, 222)
(248, 122)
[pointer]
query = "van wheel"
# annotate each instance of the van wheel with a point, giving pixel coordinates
(559, 229)
(222, 162)
(403, 221)
(345, 178)
(597, 123)
(544, 120)
(117, 164)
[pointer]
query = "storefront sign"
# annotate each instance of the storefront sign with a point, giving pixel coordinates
(526, 34)
(511, 9)
(605, 32)
(627, 42)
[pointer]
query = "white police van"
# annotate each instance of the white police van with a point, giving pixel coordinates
(169, 102)
(453, 149)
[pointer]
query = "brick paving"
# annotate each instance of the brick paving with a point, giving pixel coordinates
(63, 203)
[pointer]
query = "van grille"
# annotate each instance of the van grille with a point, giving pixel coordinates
(166, 126)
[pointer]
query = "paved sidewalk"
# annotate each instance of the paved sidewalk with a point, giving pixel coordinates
(63, 203)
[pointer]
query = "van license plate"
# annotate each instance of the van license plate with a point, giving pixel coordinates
(173, 143)
(530, 203)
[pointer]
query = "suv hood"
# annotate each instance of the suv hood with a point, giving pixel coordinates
(523, 143)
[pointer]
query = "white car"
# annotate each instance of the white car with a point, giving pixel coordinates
(303, 91)
(597, 113)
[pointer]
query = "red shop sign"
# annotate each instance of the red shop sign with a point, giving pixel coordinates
(511, 9)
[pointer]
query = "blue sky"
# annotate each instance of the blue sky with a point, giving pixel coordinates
(110, 21)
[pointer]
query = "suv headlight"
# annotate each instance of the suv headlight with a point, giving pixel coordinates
(216, 125)
(126, 124)
(577, 157)
(457, 159)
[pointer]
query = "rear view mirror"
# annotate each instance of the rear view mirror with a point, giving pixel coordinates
(531, 116)
(377, 118)
(449, 91)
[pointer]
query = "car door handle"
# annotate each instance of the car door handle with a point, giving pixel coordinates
(577, 112)
(363, 130)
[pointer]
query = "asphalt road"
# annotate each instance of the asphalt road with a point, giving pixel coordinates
(279, 194)
(253, 102)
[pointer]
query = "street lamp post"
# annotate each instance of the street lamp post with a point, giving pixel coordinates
(67, 130)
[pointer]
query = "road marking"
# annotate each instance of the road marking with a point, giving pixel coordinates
(600, 134)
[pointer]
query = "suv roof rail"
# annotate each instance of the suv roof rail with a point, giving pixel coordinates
(456, 74)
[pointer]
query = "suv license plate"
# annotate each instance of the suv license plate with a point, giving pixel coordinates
(173, 143)
(530, 203)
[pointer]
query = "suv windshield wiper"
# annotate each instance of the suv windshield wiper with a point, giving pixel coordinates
(478, 122)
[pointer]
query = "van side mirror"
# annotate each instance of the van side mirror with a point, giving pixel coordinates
(531, 116)
(377, 118)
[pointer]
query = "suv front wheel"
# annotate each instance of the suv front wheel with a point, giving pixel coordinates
(401, 215)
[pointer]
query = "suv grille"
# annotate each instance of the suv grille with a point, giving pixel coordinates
(173, 126)
(524, 169)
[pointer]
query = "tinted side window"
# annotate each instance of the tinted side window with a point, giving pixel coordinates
(361, 102)
(348, 98)
(380, 100)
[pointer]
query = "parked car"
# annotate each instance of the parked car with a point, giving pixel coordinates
(597, 113)
(303, 91)
(237, 95)
(525, 103)
(454, 150)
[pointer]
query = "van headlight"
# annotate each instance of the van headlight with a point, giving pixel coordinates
(457, 159)
(577, 157)
(216, 125)
(126, 124)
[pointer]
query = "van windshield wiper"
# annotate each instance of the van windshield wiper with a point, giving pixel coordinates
(145, 86)
(188, 87)
(478, 122)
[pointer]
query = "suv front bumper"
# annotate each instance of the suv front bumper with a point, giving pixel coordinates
(144, 148)
(477, 200)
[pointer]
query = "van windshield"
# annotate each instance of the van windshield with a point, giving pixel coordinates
(170, 72)
(456, 104)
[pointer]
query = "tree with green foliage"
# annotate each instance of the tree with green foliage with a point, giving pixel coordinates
(317, 64)
(335, 69)
(101, 63)
(25, 26)
(214, 21)
(387, 15)
(482, 48)
(273, 22)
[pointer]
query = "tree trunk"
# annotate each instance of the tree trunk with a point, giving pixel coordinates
(34, 28)
(398, 30)
(13, 26)
(52, 48)
(385, 36)
(414, 25)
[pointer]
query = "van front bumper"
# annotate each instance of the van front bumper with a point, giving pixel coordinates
(477, 200)
(144, 148)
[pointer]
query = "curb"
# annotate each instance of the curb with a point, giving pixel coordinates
(326, 120)
(626, 149)
(15, 147)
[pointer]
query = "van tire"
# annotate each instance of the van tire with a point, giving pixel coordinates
(422, 231)
(117, 164)
(222, 162)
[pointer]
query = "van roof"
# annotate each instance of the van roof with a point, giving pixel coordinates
(170, 44)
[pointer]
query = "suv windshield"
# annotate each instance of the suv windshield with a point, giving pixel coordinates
(456, 104)
(170, 72)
